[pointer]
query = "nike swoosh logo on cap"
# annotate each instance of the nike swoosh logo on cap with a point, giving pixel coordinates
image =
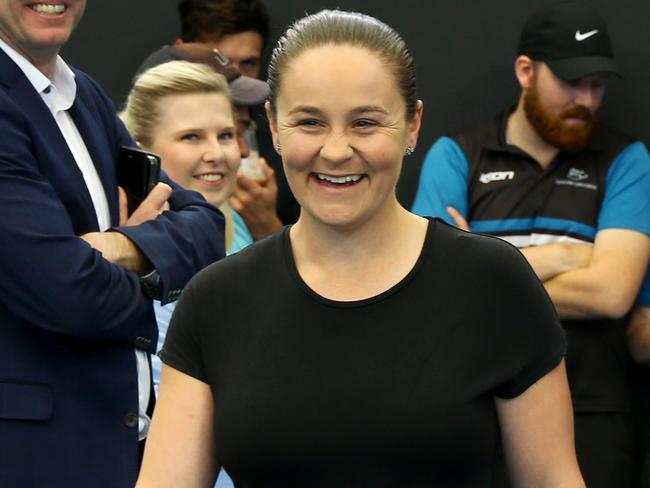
(581, 37)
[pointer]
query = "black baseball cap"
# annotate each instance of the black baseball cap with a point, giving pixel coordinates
(244, 91)
(571, 38)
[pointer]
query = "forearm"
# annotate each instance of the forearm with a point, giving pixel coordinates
(551, 260)
(120, 250)
(608, 286)
(586, 293)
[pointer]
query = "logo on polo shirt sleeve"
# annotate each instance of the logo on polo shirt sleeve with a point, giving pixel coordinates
(496, 176)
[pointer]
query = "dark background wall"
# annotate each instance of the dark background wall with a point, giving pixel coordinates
(464, 50)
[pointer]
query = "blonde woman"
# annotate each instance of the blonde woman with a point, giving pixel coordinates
(182, 112)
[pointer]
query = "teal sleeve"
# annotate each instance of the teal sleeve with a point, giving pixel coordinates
(443, 181)
(627, 191)
(242, 237)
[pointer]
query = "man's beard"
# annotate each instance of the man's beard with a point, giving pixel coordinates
(554, 129)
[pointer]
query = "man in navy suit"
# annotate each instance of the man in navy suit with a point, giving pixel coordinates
(77, 275)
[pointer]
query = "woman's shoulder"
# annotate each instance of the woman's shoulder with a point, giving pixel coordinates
(261, 258)
(476, 260)
(470, 245)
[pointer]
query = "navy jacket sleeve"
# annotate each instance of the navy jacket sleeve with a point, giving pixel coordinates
(49, 277)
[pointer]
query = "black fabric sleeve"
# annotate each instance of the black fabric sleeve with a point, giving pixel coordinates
(531, 330)
(531, 373)
(521, 330)
(182, 349)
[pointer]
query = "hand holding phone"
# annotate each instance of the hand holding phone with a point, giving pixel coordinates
(137, 172)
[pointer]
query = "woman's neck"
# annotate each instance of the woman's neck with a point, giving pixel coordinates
(355, 263)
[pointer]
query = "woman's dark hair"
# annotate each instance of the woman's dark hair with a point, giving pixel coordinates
(336, 27)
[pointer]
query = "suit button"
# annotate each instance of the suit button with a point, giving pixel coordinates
(131, 419)
(142, 342)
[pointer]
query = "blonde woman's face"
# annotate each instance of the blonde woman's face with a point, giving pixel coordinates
(196, 139)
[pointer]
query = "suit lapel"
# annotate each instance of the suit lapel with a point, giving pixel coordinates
(22, 91)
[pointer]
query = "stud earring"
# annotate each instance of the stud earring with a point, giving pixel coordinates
(278, 147)
(409, 150)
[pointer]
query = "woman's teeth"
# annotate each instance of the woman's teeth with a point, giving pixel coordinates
(338, 179)
(48, 9)
(210, 177)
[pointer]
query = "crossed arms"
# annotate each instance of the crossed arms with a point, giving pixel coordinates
(588, 281)
(584, 281)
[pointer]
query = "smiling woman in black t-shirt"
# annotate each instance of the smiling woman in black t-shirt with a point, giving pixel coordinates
(363, 346)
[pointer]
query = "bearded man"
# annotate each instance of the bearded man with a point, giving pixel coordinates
(574, 196)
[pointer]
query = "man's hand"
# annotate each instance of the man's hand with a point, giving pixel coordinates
(458, 219)
(550, 260)
(150, 208)
(119, 249)
(256, 203)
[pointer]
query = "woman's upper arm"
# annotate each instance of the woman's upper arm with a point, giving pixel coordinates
(537, 434)
(180, 447)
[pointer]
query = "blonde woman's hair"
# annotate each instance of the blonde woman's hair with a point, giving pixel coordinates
(141, 110)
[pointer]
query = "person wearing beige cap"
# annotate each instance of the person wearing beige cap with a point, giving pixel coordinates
(574, 196)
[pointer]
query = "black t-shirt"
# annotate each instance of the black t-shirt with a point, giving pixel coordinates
(394, 390)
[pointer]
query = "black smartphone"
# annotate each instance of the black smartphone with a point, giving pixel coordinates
(137, 172)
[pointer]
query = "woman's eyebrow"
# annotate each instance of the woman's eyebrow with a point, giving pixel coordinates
(370, 108)
(307, 109)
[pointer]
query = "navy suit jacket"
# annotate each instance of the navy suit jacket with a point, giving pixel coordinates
(69, 319)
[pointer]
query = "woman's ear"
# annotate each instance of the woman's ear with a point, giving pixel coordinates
(269, 115)
(273, 124)
(415, 124)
